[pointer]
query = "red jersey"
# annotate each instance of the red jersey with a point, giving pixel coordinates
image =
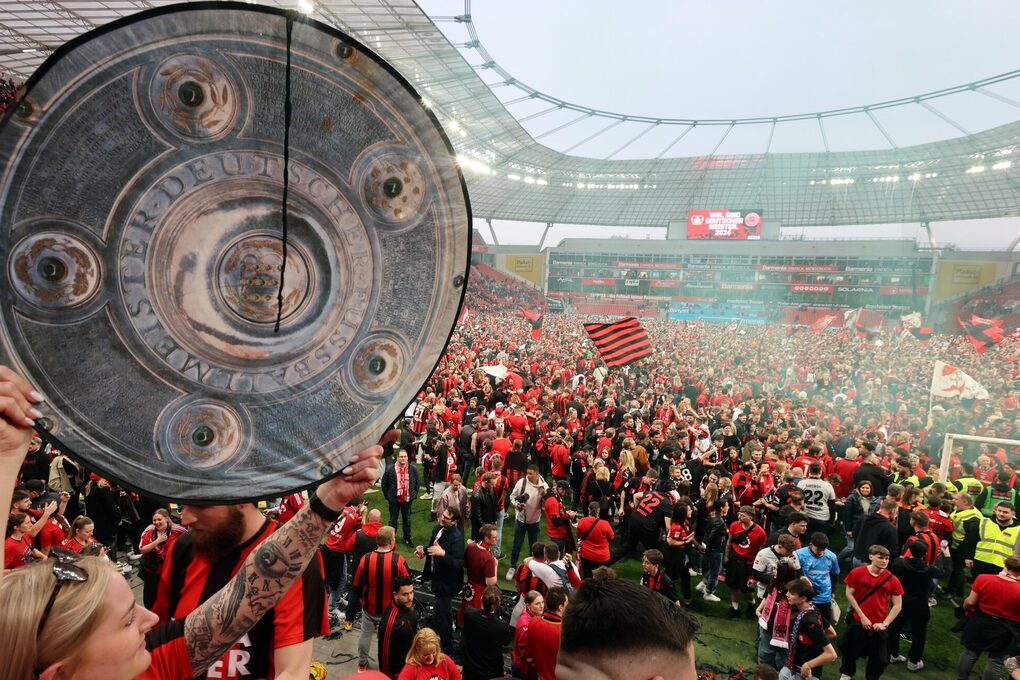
(518, 426)
(560, 460)
(341, 534)
(543, 644)
(479, 563)
(998, 596)
(877, 605)
(557, 524)
(17, 553)
(747, 542)
(290, 505)
(52, 534)
(845, 469)
(940, 523)
(189, 579)
(526, 581)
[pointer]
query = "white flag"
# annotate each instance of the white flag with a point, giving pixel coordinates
(912, 320)
(949, 381)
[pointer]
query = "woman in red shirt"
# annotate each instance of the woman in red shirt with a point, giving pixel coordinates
(594, 535)
(81, 536)
(426, 661)
(679, 540)
(18, 548)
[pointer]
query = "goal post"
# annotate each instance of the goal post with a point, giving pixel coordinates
(947, 448)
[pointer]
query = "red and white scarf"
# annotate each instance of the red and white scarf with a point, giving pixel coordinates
(403, 484)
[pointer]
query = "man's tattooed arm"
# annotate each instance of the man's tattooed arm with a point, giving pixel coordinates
(262, 580)
(270, 570)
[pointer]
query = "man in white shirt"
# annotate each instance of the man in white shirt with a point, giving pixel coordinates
(526, 496)
(819, 500)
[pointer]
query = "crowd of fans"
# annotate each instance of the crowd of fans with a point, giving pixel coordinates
(733, 454)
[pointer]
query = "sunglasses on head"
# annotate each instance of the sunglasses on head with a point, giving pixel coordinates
(64, 571)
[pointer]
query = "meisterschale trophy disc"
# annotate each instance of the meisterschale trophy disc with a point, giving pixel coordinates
(234, 246)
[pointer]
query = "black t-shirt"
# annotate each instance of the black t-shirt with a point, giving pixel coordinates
(653, 510)
(484, 637)
(811, 639)
(692, 471)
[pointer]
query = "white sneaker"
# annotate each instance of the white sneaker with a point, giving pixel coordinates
(932, 602)
(711, 597)
(911, 666)
(897, 659)
(426, 496)
(510, 574)
(844, 676)
(700, 587)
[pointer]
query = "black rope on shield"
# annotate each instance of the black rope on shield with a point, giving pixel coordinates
(286, 169)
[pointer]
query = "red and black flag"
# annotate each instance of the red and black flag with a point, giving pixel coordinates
(535, 319)
(868, 323)
(823, 322)
(464, 311)
(982, 333)
(620, 342)
(922, 333)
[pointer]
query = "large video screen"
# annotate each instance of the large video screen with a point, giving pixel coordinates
(724, 225)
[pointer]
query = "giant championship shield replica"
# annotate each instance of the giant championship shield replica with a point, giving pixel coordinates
(149, 253)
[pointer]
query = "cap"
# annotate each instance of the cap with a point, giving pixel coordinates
(563, 484)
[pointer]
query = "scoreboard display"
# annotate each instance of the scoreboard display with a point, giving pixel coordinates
(724, 225)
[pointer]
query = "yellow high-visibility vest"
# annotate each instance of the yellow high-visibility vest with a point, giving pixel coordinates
(996, 543)
(960, 517)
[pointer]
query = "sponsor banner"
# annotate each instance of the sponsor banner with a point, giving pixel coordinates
(598, 281)
(686, 298)
(664, 283)
(811, 288)
(479, 248)
(695, 284)
(855, 289)
(874, 270)
(797, 268)
(902, 290)
(724, 225)
(701, 266)
(649, 265)
(733, 285)
(631, 283)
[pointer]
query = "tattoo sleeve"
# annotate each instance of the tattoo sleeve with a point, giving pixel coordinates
(262, 580)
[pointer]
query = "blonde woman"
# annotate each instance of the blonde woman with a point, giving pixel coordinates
(426, 661)
(76, 617)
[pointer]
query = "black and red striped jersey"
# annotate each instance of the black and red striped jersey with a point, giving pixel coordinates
(930, 540)
(374, 579)
(189, 579)
(527, 581)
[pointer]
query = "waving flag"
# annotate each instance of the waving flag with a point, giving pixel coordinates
(535, 319)
(868, 323)
(464, 312)
(949, 381)
(620, 342)
(912, 320)
(823, 322)
(982, 333)
(922, 333)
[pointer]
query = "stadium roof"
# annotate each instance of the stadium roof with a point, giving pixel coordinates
(513, 175)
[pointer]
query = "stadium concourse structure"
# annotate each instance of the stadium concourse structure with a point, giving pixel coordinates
(529, 156)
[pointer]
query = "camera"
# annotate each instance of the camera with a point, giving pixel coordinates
(521, 499)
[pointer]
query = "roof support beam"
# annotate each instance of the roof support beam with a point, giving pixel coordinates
(881, 129)
(591, 137)
(633, 139)
(944, 117)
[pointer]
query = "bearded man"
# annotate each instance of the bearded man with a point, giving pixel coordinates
(203, 560)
